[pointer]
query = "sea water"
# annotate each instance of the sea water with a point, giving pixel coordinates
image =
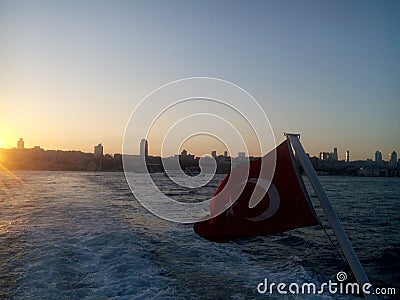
(81, 235)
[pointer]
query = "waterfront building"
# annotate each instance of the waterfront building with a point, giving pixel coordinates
(98, 151)
(393, 159)
(378, 157)
(20, 144)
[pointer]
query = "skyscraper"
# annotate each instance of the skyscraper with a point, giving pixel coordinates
(144, 148)
(393, 159)
(98, 151)
(20, 144)
(378, 157)
(347, 156)
(335, 154)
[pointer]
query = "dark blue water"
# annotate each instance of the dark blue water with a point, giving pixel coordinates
(84, 236)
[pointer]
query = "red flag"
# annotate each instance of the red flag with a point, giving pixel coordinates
(283, 207)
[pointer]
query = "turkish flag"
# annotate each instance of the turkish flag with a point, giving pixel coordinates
(266, 202)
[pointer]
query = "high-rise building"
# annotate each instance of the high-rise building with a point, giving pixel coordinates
(98, 151)
(20, 144)
(225, 153)
(184, 152)
(393, 159)
(144, 148)
(347, 156)
(378, 157)
(324, 156)
(214, 153)
(334, 155)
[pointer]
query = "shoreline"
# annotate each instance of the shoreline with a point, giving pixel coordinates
(319, 173)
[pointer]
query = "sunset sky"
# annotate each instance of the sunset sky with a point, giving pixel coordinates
(71, 72)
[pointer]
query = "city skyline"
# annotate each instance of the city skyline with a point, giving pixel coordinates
(37, 158)
(143, 150)
(328, 71)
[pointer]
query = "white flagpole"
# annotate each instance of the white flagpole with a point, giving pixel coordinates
(333, 219)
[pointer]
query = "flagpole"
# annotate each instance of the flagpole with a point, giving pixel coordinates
(333, 219)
